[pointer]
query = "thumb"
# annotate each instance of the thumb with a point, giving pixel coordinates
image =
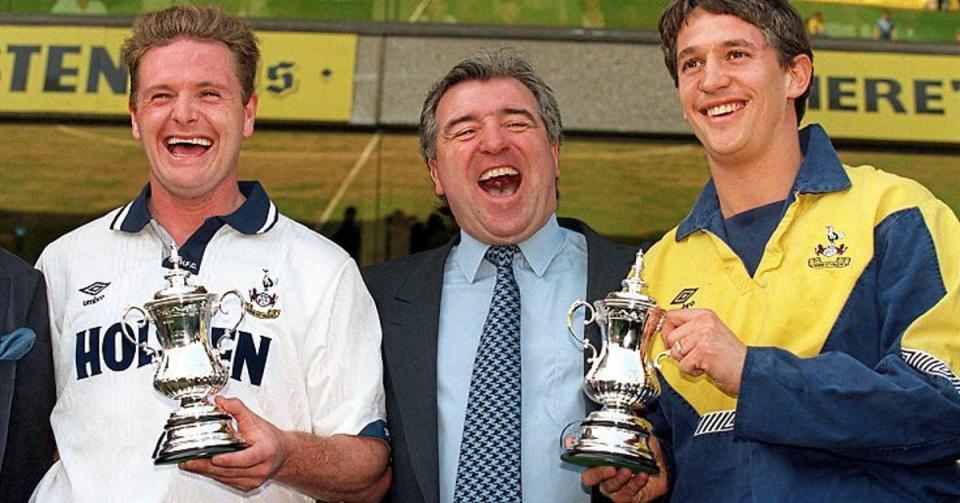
(235, 407)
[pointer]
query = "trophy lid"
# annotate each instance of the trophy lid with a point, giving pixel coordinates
(633, 285)
(177, 279)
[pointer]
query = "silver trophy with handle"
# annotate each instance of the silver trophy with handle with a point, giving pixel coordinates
(622, 379)
(189, 367)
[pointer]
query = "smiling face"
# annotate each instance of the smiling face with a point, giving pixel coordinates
(190, 118)
(494, 161)
(734, 93)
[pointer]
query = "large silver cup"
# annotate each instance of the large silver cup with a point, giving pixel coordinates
(190, 368)
(622, 378)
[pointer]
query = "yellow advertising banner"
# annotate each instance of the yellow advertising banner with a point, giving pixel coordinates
(77, 70)
(885, 96)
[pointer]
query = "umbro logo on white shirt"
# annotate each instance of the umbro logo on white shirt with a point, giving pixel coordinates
(93, 290)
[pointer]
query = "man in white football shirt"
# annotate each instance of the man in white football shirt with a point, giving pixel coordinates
(306, 373)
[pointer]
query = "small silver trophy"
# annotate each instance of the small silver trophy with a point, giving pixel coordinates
(190, 368)
(621, 379)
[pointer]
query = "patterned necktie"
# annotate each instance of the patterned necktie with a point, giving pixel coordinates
(489, 467)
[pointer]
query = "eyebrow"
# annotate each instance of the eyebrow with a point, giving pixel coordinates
(204, 84)
(156, 87)
(736, 42)
(453, 123)
(521, 111)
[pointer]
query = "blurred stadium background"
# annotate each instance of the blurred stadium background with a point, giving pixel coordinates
(341, 86)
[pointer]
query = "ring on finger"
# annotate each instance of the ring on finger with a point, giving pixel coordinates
(678, 348)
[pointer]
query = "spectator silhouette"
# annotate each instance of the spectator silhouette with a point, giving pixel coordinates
(815, 26)
(885, 28)
(348, 235)
(432, 234)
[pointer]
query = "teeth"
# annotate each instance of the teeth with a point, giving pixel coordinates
(203, 142)
(493, 173)
(725, 108)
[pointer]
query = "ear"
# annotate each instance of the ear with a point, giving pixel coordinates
(798, 74)
(683, 111)
(555, 152)
(249, 115)
(134, 128)
(435, 176)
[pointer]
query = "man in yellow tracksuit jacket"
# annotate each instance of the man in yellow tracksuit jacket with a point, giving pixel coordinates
(814, 318)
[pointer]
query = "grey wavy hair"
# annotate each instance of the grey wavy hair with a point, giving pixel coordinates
(486, 65)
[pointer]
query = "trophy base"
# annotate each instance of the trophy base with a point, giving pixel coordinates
(196, 433)
(196, 453)
(611, 438)
(590, 459)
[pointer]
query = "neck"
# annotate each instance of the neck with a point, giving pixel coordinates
(746, 183)
(182, 216)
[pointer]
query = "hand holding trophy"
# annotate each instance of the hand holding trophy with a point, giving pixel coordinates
(190, 367)
(622, 378)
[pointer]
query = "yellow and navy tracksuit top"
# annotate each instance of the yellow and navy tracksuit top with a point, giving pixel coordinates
(852, 322)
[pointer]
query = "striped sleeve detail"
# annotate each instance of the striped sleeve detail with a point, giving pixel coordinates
(930, 365)
(716, 422)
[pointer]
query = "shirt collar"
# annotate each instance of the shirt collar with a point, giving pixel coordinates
(820, 172)
(256, 215)
(538, 250)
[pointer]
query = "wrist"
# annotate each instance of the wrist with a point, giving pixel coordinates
(286, 445)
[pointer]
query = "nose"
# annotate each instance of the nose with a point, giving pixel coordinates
(184, 110)
(493, 139)
(713, 77)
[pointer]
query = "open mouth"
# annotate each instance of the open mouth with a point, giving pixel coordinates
(500, 181)
(724, 109)
(188, 146)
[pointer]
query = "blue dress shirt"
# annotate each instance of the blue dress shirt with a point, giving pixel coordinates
(551, 275)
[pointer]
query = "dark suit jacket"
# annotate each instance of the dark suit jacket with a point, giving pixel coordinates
(27, 388)
(407, 293)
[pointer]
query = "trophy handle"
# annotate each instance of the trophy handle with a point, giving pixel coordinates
(154, 354)
(583, 341)
(663, 354)
(231, 332)
(566, 440)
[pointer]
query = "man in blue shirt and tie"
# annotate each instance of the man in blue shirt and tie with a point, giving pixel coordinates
(480, 373)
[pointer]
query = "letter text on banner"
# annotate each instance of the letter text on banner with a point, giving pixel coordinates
(882, 96)
(77, 71)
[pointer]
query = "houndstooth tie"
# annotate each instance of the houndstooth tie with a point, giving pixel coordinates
(489, 467)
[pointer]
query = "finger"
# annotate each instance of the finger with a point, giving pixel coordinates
(596, 475)
(245, 484)
(677, 350)
(214, 471)
(234, 406)
(678, 317)
(670, 323)
(686, 335)
(633, 486)
(251, 456)
(196, 465)
(692, 363)
(613, 484)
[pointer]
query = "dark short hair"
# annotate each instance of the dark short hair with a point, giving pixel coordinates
(780, 23)
(161, 28)
(486, 65)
